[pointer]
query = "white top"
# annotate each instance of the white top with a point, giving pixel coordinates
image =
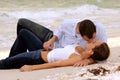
(67, 35)
(61, 53)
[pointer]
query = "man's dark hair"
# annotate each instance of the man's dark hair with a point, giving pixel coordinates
(87, 28)
(101, 52)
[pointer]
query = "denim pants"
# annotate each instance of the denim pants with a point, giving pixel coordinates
(26, 40)
(30, 36)
(43, 33)
(26, 58)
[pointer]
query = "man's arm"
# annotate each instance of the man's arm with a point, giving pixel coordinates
(50, 43)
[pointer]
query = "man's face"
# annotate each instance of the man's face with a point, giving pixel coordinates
(89, 39)
(89, 46)
(92, 45)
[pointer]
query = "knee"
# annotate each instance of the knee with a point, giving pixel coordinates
(24, 32)
(22, 20)
(22, 24)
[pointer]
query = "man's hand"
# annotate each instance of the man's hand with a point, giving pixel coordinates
(48, 45)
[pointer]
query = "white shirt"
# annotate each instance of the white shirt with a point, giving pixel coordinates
(66, 34)
(59, 54)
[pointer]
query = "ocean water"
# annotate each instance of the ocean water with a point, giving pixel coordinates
(51, 17)
(50, 14)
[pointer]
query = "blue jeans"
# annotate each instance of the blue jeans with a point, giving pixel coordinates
(26, 40)
(30, 36)
(43, 33)
(17, 61)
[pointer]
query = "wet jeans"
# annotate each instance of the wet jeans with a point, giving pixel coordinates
(30, 36)
(26, 58)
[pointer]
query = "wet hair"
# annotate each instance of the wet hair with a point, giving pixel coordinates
(101, 52)
(87, 28)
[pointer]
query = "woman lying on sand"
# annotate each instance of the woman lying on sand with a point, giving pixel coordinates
(59, 57)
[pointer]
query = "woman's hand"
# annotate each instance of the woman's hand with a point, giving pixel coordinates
(82, 63)
(26, 68)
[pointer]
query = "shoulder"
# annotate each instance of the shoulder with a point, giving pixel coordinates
(100, 32)
(99, 25)
(70, 21)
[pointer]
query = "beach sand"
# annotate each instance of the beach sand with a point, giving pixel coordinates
(109, 17)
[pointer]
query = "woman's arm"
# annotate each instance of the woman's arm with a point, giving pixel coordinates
(67, 62)
(85, 54)
(84, 62)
